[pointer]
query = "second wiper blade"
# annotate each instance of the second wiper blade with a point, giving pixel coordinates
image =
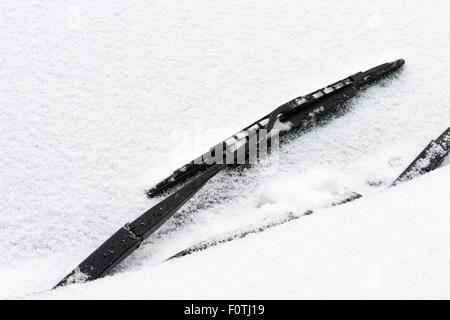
(429, 159)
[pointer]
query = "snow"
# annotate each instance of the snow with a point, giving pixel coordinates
(390, 245)
(100, 100)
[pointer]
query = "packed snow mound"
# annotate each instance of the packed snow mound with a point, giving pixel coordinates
(305, 191)
(389, 245)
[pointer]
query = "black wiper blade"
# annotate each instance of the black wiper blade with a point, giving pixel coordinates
(429, 159)
(300, 112)
(128, 238)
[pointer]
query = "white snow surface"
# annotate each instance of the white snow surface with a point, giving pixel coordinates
(389, 245)
(99, 100)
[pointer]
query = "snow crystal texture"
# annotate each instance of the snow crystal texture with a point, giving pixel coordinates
(99, 100)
